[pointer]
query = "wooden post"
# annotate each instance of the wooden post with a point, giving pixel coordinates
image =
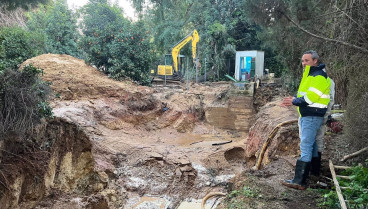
(338, 190)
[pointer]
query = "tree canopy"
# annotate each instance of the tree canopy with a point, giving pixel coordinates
(26, 4)
(57, 26)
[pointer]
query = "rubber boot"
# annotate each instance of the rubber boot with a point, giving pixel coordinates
(316, 165)
(301, 175)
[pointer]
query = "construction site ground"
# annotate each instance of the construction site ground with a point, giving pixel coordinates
(116, 144)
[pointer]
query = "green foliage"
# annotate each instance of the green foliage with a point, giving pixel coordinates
(100, 24)
(26, 4)
(61, 30)
(17, 45)
(236, 198)
(290, 82)
(356, 195)
(329, 199)
(131, 55)
(220, 24)
(22, 99)
(217, 30)
(115, 45)
(57, 25)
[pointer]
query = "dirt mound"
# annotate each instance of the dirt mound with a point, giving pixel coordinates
(72, 78)
(266, 93)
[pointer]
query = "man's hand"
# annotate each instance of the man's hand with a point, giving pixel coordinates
(287, 101)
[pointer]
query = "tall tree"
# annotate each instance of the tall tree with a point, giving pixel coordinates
(223, 27)
(101, 23)
(115, 45)
(57, 24)
(338, 30)
(25, 4)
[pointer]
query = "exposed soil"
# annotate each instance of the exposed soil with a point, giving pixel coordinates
(120, 145)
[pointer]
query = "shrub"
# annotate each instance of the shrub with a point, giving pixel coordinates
(356, 195)
(100, 24)
(22, 100)
(57, 24)
(116, 46)
(130, 55)
(16, 46)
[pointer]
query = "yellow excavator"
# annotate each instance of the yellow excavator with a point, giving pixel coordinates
(174, 71)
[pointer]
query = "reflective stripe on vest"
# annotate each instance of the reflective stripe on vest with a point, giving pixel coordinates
(319, 93)
(311, 104)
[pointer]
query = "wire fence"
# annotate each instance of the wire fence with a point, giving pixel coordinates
(205, 70)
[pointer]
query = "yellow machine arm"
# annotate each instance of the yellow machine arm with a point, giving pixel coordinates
(194, 37)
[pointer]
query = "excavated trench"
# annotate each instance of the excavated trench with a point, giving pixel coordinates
(119, 145)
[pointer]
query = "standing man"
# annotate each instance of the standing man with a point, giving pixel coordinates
(312, 100)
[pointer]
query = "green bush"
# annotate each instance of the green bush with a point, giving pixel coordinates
(356, 195)
(113, 44)
(26, 4)
(100, 25)
(236, 198)
(130, 55)
(23, 99)
(16, 46)
(57, 24)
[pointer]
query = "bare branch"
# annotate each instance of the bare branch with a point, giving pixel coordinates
(364, 50)
(351, 19)
(354, 154)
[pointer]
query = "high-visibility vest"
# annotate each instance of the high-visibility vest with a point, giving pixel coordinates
(315, 89)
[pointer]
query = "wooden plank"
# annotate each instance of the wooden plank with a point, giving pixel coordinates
(338, 190)
(341, 167)
(344, 177)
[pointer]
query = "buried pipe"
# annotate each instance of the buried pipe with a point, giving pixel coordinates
(269, 139)
(208, 196)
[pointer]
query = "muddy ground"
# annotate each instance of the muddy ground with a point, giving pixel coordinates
(116, 144)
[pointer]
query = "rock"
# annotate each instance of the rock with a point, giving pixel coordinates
(178, 172)
(161, 162)
(183, 161)
(186, 168)
(155, 155)
(97, 201)
(191, 174)
(98, 187)
(103, 176)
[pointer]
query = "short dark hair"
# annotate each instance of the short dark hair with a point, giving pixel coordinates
(313, 53)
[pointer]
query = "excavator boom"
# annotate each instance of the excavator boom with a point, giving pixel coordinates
(194, 37)
(173, 70)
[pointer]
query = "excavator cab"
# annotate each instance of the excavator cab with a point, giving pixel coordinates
(168, 68)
